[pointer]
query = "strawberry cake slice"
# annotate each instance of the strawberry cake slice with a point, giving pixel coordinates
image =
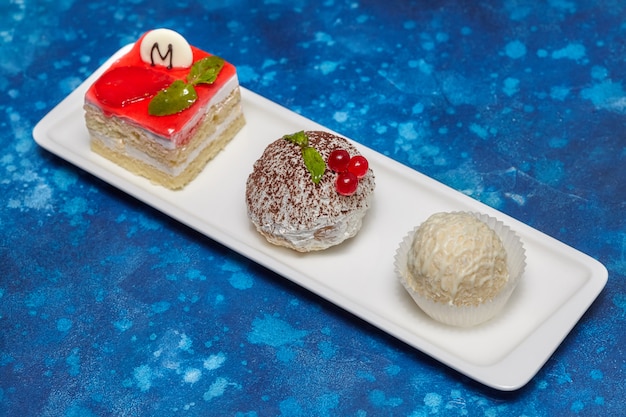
(164, 109)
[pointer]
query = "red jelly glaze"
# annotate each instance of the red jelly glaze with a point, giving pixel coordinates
(168, 127)
(127, 85)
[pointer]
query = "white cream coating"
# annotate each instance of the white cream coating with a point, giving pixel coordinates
(456, 258)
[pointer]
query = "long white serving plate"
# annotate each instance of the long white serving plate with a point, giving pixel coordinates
(559, 284)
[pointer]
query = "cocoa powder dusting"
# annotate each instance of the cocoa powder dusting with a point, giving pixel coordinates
(281, 195)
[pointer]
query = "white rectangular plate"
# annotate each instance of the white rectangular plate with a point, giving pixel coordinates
(559, 284)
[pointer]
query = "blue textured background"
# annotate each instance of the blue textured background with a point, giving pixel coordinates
(107, 307)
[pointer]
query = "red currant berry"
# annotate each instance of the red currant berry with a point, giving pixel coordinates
(346, 183)
(338, 160)
(358, 165)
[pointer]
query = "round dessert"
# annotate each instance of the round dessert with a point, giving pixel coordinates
(461, 267)
(309, 191)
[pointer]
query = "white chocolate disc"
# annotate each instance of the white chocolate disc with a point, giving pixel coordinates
(166, 48)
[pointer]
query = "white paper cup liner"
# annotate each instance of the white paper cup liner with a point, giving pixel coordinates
(467, 316)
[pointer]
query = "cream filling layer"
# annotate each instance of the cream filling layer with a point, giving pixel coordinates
(139, 154)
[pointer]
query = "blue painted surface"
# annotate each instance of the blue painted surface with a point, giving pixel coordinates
(108, 307)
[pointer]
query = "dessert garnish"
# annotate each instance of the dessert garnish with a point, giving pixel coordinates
(338, 160)
(349, 170)
(159, 48)
(165, 48)
(312, 158)
(180, 95)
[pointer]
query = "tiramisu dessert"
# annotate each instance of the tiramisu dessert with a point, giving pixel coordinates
(309, 191)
